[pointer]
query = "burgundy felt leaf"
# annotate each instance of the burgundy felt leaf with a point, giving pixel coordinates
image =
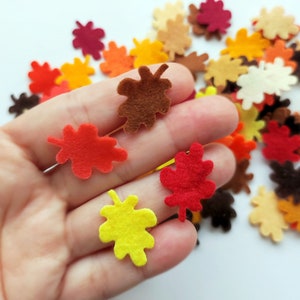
(86, 150)
(188, 182)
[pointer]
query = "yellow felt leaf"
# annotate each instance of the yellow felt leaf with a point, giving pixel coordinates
(209, 91)
(291, 211)
(127, 227)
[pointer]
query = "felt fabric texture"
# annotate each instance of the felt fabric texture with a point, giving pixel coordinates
(145, 98)
(188, 182)
(87, 151)
(127, 226)
(23, 103)
(291, 212)
(88, 39)
(56, 90)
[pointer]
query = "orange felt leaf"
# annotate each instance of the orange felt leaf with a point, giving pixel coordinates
(291, 212)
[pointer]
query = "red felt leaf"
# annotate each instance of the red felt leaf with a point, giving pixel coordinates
(188, 182)
(86, 150)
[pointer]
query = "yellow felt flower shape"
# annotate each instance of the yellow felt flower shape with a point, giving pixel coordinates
(291, 212)
(252, 126)
(209, 91)
(252, 46)
(127, 227)
(76, 74)
(267, 215)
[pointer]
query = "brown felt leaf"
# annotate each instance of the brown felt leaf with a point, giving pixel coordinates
(145, 98)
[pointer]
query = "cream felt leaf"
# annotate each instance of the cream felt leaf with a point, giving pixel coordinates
(127, 227)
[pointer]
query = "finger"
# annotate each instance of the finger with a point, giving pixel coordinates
(96, 103)
(203, 120)
(83, 222)
(101, 276)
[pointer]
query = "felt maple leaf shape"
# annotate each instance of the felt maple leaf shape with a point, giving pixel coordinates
(213, 14)
(23, 103)
(251, 47)
(88, 39)
(147, 53)
(145, 98)
(287, 178)
(280, 145)
(42, 78)
(194, 62)
(175, 37)
(240, 179)
(275, 24)
(55, 91)
(269, 109)
(86, 150)
(293, 123)
(291, 212)
(223, 70)
(296, 58)
(117, 61)
(76, 74)
(188, 181)
(207, 91)
(127, 228)
(267, 215)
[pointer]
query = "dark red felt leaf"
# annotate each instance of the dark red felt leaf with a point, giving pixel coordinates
(86, 150)
(188, 181)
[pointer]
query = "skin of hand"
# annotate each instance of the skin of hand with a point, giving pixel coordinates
(49, 246)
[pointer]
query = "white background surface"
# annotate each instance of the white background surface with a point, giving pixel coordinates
(233, 266)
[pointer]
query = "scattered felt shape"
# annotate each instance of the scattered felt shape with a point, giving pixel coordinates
(219, 209)
(126, 226)
(188, 181)
(291, 212)
(56, 90)
(287, 178)
(88, 39)
(23, 103)
(145, 98)
(267, 215)
(86, 150)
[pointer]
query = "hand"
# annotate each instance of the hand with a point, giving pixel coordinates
(49, 222)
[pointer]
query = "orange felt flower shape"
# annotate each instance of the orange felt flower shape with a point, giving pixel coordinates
(251, 47)
(291, 212)
(214, 16)
(42, 77)
(145, 98)
(280, 145)
(86, 150)
(88, 39)
(188, 182)
(117, 61)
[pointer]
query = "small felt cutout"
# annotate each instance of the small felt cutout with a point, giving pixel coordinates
(145, 98)
(117, 61)
(269, 109)
(148, 53)
(287, 178)
(23, 103)
(208, 91)
(267, 215)
(88, 39)
(86, 150)
(275, 24)
(188, 181)
(126, 226)
(42, 78)
(279, 144)
(291, 212)
(76, 74)
(219, 208)
(293, 123)
(175, 37)
(56, 90)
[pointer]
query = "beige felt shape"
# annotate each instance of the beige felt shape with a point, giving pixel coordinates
(275, 24)
(267, 215)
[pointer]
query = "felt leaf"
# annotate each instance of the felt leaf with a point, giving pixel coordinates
(208, 91)
(219, 209)
(252, 46)
(175, 37)
(117, 61)
(224, 69)
(42, 78)
(145, 98)
(188, 181)
(291, 212)
(126, 226)
(88, 39)
(275, 24)
(269, 109)
(55, 91)
(213, 14)
(76, 74)
(279, 144)
(23, 103)
(86, 150)
(148, 53)
(287, 178)
(293, 123)
(267, 215)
